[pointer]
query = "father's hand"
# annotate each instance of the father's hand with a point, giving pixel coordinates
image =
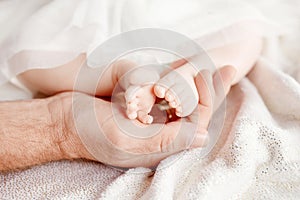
(74, 125)
(103, 133)
(99, 130)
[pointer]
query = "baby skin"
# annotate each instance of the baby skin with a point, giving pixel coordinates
(144, 84)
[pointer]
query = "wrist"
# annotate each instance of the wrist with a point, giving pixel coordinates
(28, 133)
(66, 137)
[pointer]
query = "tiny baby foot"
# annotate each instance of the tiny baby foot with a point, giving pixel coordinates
(179, 89)
(139, 94)
(139, 102)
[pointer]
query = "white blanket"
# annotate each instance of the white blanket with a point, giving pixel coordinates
(257, 156)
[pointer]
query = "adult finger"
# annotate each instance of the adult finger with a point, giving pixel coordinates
(204, 85)
(205, 89)
(222, 80)
(181, 135)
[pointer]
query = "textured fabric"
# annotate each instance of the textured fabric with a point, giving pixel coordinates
(58, 180)
(257, 156)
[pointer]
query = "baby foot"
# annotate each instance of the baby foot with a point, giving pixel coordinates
(179, 89)
(139, 102)
(139, 94)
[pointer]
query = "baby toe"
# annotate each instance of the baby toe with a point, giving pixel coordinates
(146, 119)
(178, 111)
(159, 91)
(173, 104)
(132, 115)
(169, 96)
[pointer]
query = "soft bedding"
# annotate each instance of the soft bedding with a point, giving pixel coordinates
(256, 157)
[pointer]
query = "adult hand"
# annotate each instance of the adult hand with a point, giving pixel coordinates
(109, 137)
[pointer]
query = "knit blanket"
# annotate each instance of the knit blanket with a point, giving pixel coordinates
(256, 156)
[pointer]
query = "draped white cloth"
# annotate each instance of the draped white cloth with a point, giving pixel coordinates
(45, 34)
(257, 155)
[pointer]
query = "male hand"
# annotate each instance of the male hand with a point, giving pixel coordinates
(100, 130)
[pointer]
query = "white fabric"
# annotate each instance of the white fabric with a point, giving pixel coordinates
(257, 155)
(41, 37)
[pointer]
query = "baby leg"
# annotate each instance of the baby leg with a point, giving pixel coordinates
(179, 89)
